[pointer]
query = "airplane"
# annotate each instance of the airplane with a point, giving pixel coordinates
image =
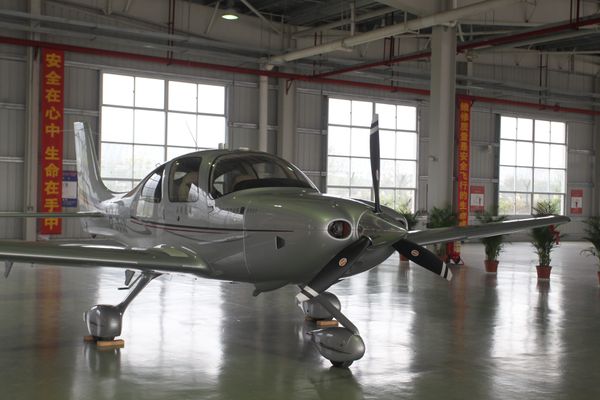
(242, 216)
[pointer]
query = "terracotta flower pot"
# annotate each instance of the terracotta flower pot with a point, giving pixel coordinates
(543, 271)
(491, 266)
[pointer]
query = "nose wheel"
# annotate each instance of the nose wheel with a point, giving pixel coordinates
(340, 345)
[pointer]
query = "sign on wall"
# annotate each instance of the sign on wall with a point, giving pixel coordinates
(477, 198)
(52, 122)
(464, 130)
(576, 201)
(69, 189)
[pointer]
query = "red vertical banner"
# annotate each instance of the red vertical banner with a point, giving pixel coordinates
(464, 160)
(52, 123)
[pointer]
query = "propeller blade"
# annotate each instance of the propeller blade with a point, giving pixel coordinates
(423, 257)
(338, 266)
(375, 159)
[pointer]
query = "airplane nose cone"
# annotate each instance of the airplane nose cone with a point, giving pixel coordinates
(380, 230)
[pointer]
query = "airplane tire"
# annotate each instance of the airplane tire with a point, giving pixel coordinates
(342, 364)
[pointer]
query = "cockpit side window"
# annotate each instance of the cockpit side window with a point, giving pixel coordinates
(236, 172)
(152, 188)
(183, 180)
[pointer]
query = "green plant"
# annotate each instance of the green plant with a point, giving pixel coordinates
(592, 231)
(441, 217)
(493, 244)
(409, 216)
(545, 238)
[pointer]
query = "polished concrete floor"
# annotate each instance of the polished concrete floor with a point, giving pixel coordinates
(480, 337)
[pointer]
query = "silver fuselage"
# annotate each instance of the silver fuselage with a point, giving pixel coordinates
(269, 236)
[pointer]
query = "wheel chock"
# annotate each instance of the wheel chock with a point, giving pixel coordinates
(326, 323)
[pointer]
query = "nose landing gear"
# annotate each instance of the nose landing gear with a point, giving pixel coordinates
(340, 345)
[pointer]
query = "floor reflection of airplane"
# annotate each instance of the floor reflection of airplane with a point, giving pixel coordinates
(240, 216)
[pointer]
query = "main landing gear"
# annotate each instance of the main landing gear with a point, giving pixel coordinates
(340, 345)
(104, 322)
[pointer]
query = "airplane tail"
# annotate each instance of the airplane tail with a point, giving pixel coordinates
(91, 189)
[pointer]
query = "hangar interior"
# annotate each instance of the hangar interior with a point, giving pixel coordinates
(154, 79)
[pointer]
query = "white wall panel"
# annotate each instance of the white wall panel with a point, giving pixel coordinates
(12, 90)
(12, 128)
(11, 198)
(243, 138)
(309, 111)
(82, 88)
(309, 154)
(580, 135)
(244, 105)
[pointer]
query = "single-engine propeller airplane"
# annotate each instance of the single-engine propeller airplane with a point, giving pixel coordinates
(240, 216)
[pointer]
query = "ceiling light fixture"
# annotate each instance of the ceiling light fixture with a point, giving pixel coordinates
(229, 13)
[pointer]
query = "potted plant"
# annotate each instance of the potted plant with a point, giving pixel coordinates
(592, 231)
(410, 217)
(442, 217)
(545, 238)
(493, 244)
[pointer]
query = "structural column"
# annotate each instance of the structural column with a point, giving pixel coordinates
(263, 112)
(595, 209)
(441, 117)
(32, 129)
(286, 136)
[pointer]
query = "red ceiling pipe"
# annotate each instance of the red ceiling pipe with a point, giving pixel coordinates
(529, 34)
(472, 45)
(525, 104)
(204, 65)
(272, 74)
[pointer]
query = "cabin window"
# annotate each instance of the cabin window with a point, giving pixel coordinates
(152, 188)
(183, 180)
(235, 172)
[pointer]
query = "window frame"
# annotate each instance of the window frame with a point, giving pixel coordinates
(532, 193)
(133, 179)
(350, 157)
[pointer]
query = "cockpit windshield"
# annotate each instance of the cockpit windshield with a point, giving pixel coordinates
(234, 172)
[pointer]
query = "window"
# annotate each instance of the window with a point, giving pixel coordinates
(532, 164)
(235, 172)
(150, 194)
(348, 164)
(152, 188)
(183, 184)
(146, 121)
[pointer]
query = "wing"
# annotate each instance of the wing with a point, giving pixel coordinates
(440, 235)
(78, 214)
(159, 259)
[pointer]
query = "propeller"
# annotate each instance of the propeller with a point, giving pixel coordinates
(414, 252)
(337, 266)
(425, 258)
(375, 163)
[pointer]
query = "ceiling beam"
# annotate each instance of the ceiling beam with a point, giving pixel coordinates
(415, 24)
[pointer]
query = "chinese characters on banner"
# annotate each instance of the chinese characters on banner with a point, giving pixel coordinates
(52, 99)
(464, 122)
